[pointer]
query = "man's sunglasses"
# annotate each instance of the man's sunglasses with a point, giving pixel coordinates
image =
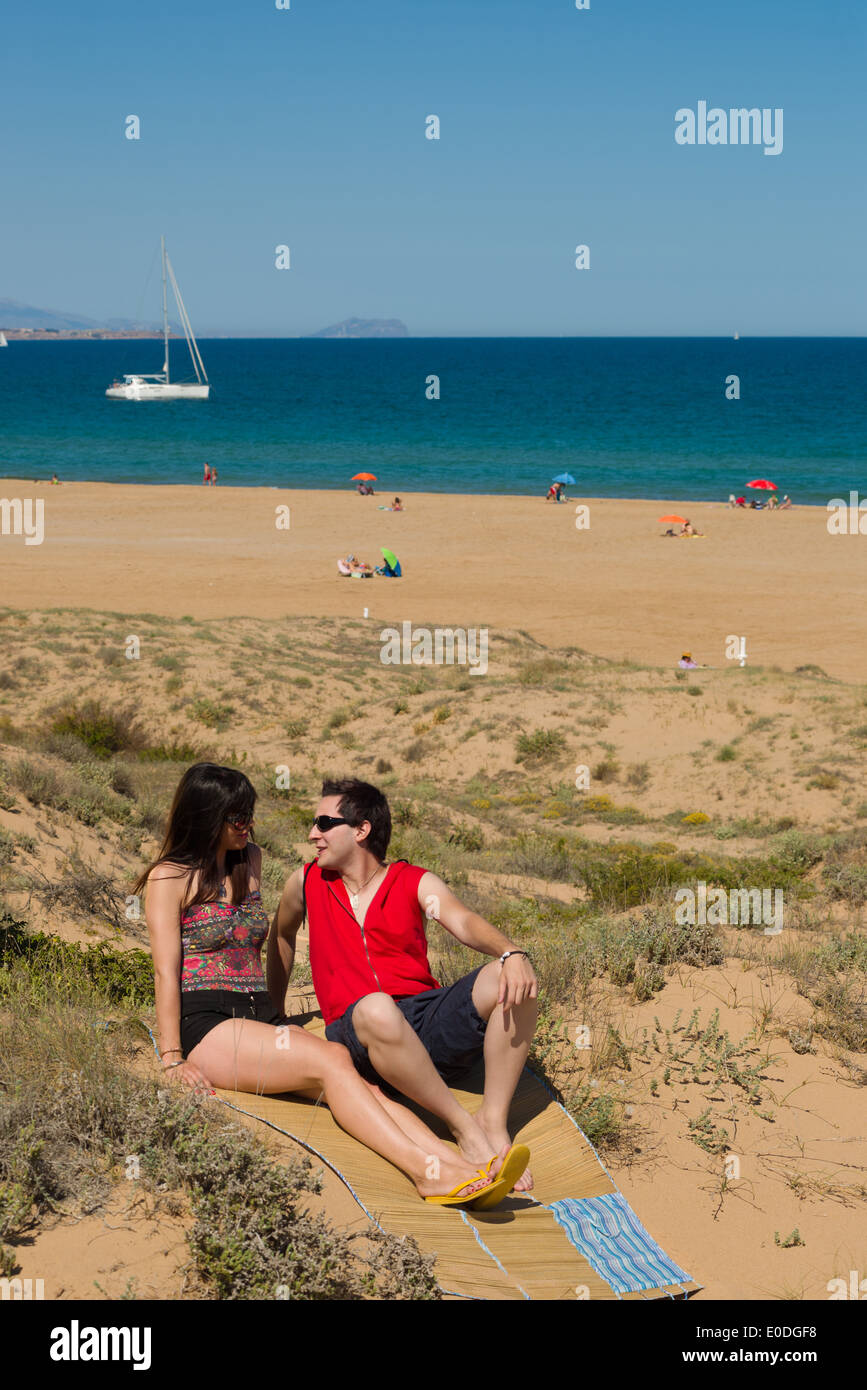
(328, 822)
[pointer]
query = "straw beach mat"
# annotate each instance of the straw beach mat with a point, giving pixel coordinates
(575, 1237)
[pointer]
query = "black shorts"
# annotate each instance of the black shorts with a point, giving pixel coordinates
(446, 1020)
(203, 1009)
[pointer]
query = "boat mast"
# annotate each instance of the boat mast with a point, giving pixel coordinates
(165, 312)
(198, 364)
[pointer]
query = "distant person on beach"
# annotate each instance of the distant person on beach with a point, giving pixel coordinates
(786, 503)
(553, 493)
(397, 505)
(213, 477)
(55, 480)
(207, 477)
(686, 662)
(368, 955)
(217, 1023)
(773, 502)
(687, 529)
(351, 565)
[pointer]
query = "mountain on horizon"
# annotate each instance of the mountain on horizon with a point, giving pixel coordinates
(14, 314)
(363, 328)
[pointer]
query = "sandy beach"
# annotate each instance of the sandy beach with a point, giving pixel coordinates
(616, 589)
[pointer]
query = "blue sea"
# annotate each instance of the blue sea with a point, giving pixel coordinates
(627, 417)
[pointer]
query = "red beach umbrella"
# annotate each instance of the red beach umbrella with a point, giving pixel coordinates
(763, 483)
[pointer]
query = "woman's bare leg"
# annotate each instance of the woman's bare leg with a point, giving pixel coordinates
(414, 1127)
(242, 1055)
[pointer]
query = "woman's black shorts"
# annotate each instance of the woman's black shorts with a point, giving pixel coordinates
(203, 1009)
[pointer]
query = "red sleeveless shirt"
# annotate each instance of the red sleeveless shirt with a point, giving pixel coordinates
(388, 954)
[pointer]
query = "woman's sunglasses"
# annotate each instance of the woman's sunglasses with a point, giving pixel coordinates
(243, 823)
(328, 822)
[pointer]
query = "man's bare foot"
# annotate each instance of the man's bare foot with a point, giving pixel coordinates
(500, 1140)
(475, 1145)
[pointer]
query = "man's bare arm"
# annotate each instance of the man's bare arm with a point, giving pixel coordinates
(518, 979)
(281, 938)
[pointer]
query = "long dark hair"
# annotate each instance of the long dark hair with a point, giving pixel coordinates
(207, 796)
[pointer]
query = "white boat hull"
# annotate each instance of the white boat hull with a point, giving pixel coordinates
(159, 391)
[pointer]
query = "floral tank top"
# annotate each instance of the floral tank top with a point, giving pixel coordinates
(221, 945)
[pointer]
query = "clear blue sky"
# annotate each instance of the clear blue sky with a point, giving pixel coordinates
(306, 126)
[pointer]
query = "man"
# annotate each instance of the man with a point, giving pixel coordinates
(368, 956)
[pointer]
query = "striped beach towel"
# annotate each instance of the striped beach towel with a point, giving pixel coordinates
(613, 1241)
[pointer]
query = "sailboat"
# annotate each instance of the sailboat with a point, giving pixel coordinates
(157, 386)
(3, 342)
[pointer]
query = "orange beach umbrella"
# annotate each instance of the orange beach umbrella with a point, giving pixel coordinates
(681, 519)
(364, 477)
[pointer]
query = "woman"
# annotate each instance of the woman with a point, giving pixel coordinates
(217, 1024)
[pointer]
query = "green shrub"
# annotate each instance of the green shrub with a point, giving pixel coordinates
(186, 753)
(638, 776)
(104, 732)
(541, 745)
(607, 769)
(416, 751)
(78, 791)
(540, 672)
(212, 713)
(118, 977)
(467, 837)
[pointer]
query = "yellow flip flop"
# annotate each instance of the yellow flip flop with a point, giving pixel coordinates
(514, 1164)
(451, 1199)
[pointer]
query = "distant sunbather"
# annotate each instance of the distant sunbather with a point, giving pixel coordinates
(352, 565)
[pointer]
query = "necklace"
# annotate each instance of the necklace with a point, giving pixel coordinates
(354, 897)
